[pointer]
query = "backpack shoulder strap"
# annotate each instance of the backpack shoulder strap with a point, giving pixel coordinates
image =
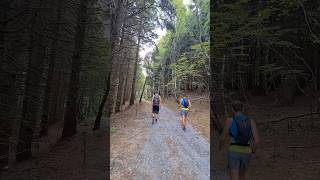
(233, 127)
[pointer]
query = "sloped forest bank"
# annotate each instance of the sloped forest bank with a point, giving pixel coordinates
(83, 156)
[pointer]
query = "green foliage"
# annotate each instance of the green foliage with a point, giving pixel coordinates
(200, 52)
(185, 68)
(113, 131)
(263, 37)
(183, 53)
(180, 18)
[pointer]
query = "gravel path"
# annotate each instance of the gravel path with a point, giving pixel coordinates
(171, 153)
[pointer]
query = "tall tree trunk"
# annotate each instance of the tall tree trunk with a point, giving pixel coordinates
(70, 118)
(199, 20)
(126, 84)
(214, 119)
(317, 69)
(97, 121)
(144, 85)
(49, 78)
(115, 79)
(15, 128)
(113, 40)
(166, 78)
(31, 101)
(120, 90)
(133, 87)
(118, 82)
(5, 91)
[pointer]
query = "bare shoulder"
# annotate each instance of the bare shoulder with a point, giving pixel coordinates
(253, 122)
(229, 121)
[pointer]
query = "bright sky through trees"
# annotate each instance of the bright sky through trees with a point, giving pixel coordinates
(146, 48)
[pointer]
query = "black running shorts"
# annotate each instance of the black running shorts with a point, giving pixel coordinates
(155, 109)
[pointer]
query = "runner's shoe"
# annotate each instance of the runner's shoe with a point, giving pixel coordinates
(183, 128)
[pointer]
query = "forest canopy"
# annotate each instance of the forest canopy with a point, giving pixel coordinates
(180, 61)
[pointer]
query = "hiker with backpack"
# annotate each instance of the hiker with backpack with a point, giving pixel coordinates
(156, 102)
(185, 105)
(244, 140)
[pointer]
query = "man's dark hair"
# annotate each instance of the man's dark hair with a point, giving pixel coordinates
(237, 106)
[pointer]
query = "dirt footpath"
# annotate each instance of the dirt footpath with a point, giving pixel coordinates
(140, 150)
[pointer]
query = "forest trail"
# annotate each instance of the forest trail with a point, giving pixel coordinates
(162, 150)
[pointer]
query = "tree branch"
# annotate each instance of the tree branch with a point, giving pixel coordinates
(289, 117)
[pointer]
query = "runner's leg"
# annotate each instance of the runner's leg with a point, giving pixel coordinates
(234, 174)
(234, 164)
(245, 159)
(185, 119)
(157, 113)
(242, 174)
(181, 121)
(153, 114)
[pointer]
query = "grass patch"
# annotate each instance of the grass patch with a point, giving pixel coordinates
(204, 120)
(113, 131)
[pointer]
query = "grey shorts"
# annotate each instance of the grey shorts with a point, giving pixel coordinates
(184, 113)
(237, 161)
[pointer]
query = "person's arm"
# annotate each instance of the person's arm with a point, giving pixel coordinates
(160, 101)
(225, 132)
(256, 138)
